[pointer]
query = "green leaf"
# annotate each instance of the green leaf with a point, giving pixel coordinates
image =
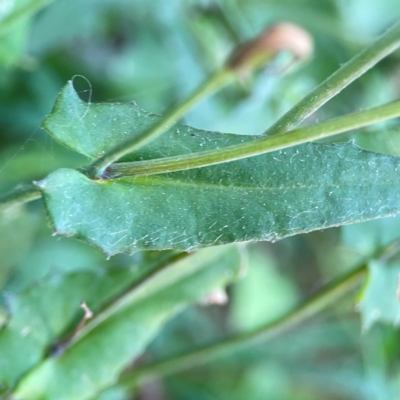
(93, 128)
(42, 313)
(12, 45)
(386, 140)
(121, 332)
(267, 197)
(264, 294)
(380, 300)
(116, 393)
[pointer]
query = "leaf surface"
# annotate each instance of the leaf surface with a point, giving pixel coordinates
(122, 331)
(266, 197)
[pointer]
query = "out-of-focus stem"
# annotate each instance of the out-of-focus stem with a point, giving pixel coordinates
(20, 195)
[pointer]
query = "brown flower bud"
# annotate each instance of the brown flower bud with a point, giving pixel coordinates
(281, 37)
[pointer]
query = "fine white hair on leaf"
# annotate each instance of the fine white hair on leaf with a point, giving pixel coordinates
(90, 90)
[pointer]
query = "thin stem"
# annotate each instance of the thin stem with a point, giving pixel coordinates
(325, 297)
(20, 195)
(358, 65)
(257, 146)
(211, 85)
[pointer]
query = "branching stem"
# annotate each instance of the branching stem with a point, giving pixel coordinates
(257, 146)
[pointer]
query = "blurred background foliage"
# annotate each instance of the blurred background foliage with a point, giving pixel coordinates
(154, 52)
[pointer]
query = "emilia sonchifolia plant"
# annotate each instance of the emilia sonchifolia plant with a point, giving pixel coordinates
(187, 200)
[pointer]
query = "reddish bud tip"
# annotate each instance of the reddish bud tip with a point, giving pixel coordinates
(276, 38)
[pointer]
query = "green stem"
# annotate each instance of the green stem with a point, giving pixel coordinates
(20, 195)
(257, 146)
(325, 297)
(345, 75)
(211, 85)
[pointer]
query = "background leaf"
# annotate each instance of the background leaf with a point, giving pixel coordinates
(380, 300)
(108, 344)
(17, 230)
(39, 315)
(93, 128)
(14, 28)
(264, 293)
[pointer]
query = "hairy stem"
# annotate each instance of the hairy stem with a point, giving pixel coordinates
(325, 297)
(257, 146)
(353, 69)
(211, 85)
(20, 195)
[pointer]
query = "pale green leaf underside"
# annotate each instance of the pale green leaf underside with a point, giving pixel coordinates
(380, 302)
(91, 129)
(96, 359)
(266, 197)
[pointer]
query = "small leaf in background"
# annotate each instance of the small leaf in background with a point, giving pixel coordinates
(385, 140)
(368, 237)
(14, 28)
(268, 197)
(264, 294)
(107, 344)
(380, 300)
(12, 44)
(17, 230)
(33, 161)
(50, 256)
